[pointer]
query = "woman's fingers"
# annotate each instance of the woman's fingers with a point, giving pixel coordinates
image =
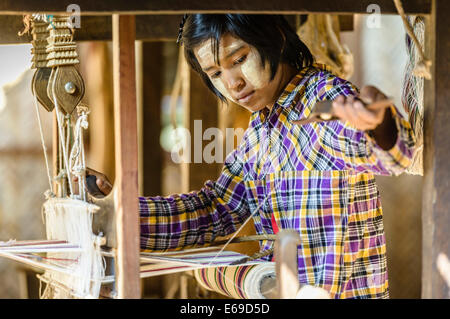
(342, 108)
(366, 119)
(104, 186)
(338, 107)
(90, 171)
(101, 180)
(352, 115)
(356, 114)
(373, 117)
(370, 94)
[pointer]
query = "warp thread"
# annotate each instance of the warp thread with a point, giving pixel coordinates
(71, 219)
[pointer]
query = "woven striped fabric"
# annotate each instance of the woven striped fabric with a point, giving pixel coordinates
(228, 281)
(317, 178)
(239, 282)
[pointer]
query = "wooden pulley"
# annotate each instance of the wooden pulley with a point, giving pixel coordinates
(39, 85)
(67, 85)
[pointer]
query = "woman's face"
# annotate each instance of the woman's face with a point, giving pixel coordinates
(240, 77)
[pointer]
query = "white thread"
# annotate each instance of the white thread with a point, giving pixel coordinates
(71, 220)
(62, 136)
(77, 156)
(44, 148)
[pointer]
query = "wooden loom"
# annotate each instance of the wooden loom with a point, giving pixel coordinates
(138, 20)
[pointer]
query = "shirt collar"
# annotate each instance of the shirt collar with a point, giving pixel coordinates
(291, 93)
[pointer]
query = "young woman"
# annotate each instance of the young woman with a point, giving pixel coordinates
(316, 178)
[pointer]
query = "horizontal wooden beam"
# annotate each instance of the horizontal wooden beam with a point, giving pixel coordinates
(98, 28)
(90, 7)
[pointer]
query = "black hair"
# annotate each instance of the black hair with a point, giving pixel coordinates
(275, 40)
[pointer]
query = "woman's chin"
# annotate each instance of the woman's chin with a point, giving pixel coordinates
(253, 108)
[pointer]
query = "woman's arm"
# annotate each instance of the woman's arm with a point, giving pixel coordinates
(196, 218)
(380, 141)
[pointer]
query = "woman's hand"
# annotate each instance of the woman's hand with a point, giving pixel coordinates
(374, 116)
(101, 181)
(353, 110)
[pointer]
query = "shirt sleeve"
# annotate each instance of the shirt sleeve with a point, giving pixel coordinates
(358, 150)
(197, 218)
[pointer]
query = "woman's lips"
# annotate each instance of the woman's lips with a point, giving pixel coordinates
(246, 98)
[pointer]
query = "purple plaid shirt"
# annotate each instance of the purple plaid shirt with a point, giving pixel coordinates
(317, 178)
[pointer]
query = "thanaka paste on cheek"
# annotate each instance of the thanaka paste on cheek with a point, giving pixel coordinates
(253, 71)
(251, 68)
(218, 84)
(206, 55)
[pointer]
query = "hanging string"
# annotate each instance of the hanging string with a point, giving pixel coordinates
(44, 148)
(423, 67)
(62, 137)
(413, 94)
(77, 156)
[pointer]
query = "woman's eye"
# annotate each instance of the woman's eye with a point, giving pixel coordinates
(215, 75)
(240, 60)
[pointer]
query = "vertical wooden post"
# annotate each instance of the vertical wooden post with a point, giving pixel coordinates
(436, 190)
(125, 125)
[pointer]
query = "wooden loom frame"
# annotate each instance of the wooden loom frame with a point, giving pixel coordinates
(141, 20)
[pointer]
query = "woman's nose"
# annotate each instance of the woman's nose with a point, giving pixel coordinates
(235, 83)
